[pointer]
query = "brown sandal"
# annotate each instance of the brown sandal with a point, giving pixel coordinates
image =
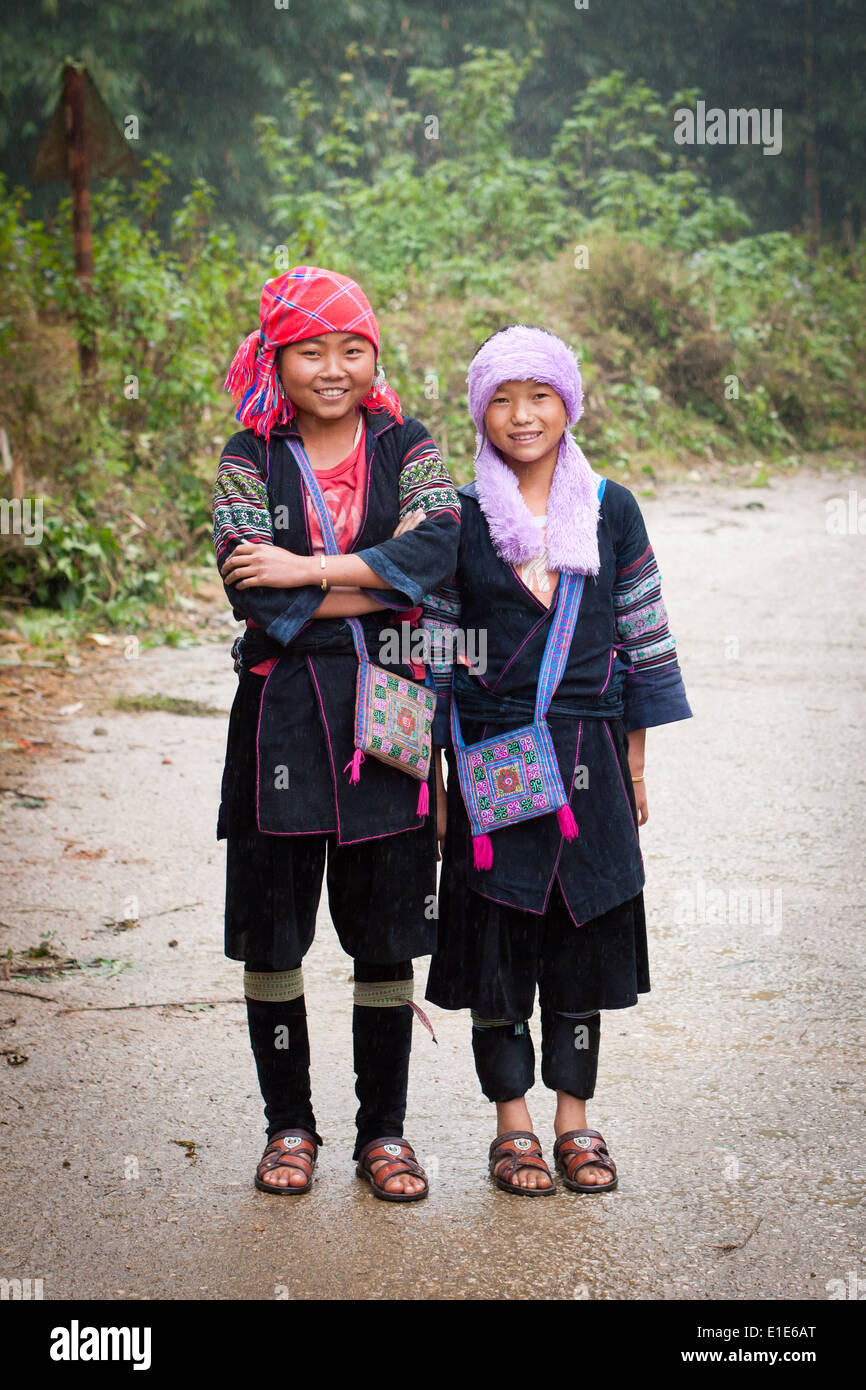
(291, 1148)
(519, 1149)
(575, 1150)
(399, 1158)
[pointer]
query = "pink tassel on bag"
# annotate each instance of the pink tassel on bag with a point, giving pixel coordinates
(482, 851)
(423, 800)
(567, 823)
(355, 764)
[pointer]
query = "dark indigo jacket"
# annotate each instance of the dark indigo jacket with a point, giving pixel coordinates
(305, 730)
(622, 674)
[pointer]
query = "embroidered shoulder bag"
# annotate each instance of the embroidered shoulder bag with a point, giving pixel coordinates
(393, 715)
(515, 776)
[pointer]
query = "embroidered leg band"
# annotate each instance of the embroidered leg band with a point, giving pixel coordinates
(274, 986)
(390, 994)
(383, 994)
(479, 1022)
(277, 1017)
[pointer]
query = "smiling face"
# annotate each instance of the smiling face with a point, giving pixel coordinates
(328, 376)
(525, 421)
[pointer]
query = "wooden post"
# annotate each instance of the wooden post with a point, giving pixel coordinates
(80, 142)
(76, 152)
(12, 468)
(813, 187)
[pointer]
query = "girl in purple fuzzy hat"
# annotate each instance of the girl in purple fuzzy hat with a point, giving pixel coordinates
(542, 873)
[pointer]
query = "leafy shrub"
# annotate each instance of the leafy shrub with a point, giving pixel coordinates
(123, 460)
(695, 337)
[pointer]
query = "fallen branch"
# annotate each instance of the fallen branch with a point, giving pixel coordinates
(113, 1008)
(738, 1244)
(46, 998)
(67, 910)
(167, 910)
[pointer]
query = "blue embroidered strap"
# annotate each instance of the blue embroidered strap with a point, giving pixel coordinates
(556, 649)
(558, 641)
(326, 526)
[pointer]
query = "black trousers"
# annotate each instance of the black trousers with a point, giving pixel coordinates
(382, 1042)
(505, 1057)
(379, 890)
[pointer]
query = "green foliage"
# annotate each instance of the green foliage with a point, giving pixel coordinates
(440, 203)
(670, 371)
(696, 336)
(407, 199)
(82, 561)
(614, 153)
(798, 327)
(197, 73)
(123, 460)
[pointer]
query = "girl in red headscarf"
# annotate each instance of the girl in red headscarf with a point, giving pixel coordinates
(297, 805)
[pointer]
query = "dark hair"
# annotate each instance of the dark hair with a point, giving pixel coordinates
(536, 327)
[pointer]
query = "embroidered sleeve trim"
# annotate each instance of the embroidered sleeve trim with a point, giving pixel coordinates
(425, 482)
(440, 617)
(240, 506)
(641, 617)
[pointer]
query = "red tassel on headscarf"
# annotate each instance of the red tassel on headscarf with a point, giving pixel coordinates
(567, 823)
(242, 371)
(382, 397)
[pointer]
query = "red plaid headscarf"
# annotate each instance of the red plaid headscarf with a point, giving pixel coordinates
(302, 303)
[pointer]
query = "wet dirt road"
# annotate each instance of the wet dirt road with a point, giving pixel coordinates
(731, 1097)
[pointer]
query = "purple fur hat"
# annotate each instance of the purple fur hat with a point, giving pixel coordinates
(520, 353)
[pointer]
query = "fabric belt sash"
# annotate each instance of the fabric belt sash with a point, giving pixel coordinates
(330, 635)
(489, 708)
